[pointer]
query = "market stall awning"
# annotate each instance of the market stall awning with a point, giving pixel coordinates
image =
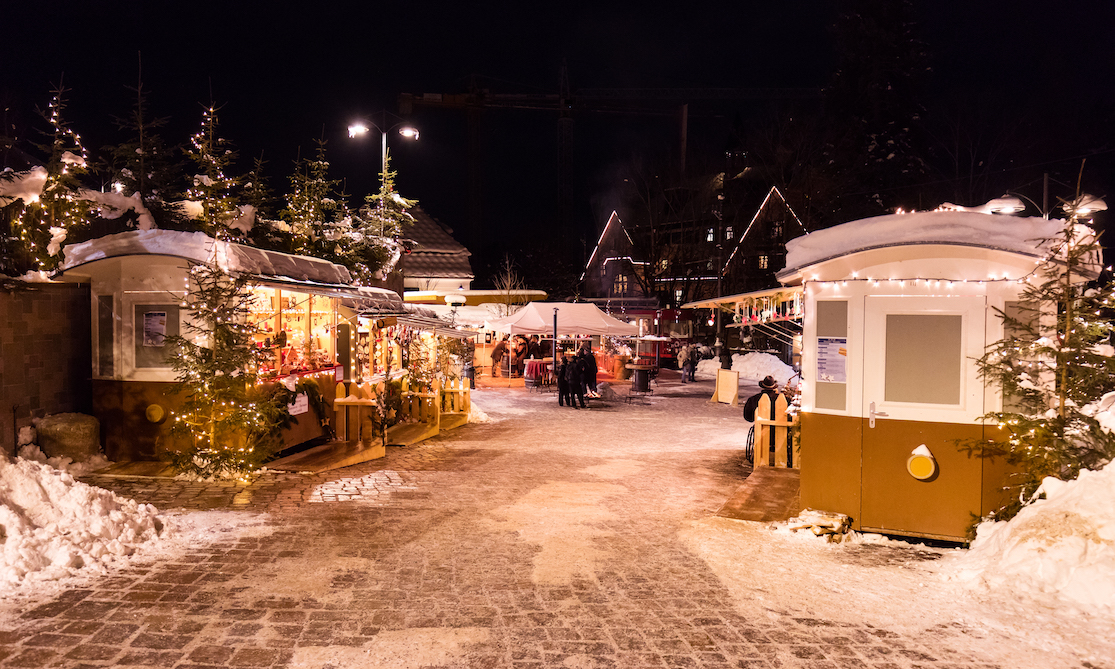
(761, 306)
(573, 318)
(438, 327)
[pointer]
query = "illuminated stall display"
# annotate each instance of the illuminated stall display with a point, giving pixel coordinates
(302, 306)
(296, 330)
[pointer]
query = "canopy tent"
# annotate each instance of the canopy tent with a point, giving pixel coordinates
(573, 318)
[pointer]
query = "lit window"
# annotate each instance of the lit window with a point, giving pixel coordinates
(711, 236)
(776, 230)
(728, 234)
(763, 262)
(663, 265)
(619, 286)
(677, 296)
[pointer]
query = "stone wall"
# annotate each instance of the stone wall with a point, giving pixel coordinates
(45, 364)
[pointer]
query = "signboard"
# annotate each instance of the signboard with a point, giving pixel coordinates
(300, 405)
(832, 358)
(727, 387)
(154, 328)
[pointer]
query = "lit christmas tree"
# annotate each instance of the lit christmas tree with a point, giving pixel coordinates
(374, 239)
(312, 208)
(212, 189)
(42, 225)
(230, 424)
(1054, 361)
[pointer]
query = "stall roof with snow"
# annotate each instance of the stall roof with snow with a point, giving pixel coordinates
(270, 267)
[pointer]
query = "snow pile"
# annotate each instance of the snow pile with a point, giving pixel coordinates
(35, 454)
(754, 366)
(1103, 411)
(52, 526)
(475, 415)
(1062, 546)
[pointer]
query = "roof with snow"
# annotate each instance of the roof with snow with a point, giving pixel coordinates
(270, 266)
(1022, 235)
(436, 254)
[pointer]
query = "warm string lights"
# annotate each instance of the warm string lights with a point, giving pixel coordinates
(212, 188)
(43, 224)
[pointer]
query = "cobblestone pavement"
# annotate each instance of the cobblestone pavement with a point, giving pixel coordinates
(505, 544)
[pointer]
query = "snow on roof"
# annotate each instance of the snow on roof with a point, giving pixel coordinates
(962, 228)
(199, 247)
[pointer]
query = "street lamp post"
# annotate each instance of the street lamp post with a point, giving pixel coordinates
(362, 128)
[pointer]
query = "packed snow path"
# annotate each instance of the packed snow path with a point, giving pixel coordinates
(548, 537)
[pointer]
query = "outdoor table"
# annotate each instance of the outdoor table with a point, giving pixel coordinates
(536, 370)
(640, 378)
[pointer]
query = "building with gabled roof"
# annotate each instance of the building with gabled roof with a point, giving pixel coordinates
(760, 249)
(435, 261)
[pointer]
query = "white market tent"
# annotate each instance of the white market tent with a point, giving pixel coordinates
(573, 318)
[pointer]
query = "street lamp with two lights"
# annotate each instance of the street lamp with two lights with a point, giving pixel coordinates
(362, 127)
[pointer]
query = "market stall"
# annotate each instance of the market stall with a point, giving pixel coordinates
(139, 283)
(897, 310)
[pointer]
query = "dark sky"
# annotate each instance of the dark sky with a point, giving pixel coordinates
(287, 73)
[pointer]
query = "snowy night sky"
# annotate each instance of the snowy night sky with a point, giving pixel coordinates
(286, 74)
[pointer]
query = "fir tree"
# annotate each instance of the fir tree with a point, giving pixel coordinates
(1055, 360)
(373, 243)
(312, 208)
(40, 227)
(229, 424)
(143, 165)
(212, 189)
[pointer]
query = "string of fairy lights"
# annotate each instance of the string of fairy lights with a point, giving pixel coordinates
(44, 220)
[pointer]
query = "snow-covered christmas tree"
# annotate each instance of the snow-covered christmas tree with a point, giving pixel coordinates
(1055, 360)
(41, 223)
(373, 242)
(212, 189)
(228, 423)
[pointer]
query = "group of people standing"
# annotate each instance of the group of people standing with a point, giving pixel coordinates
(576, 378)
(518, 353)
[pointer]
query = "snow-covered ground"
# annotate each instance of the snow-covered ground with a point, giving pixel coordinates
(1042, 584)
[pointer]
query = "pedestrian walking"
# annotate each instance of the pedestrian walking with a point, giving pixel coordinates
(683, 362)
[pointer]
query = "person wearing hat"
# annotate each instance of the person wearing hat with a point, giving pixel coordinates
(769, 387)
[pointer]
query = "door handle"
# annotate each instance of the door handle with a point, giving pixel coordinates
(871, 413)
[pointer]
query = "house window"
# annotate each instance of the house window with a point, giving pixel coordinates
(677, 295)
(776, 230)
(604, 269)
(728, 234)
(619, 286)
(663, 265)
(764, 261)
(711, 235)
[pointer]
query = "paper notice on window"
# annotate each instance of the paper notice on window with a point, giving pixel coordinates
(154, 328)
(832, 358)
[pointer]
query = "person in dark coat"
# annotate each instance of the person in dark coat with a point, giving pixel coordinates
(534, 349)
(520, 359)
(499, 351)
(563, 386)
(575, 377)
(588, 365)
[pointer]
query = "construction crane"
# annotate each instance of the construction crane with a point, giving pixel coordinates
(565, 103)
